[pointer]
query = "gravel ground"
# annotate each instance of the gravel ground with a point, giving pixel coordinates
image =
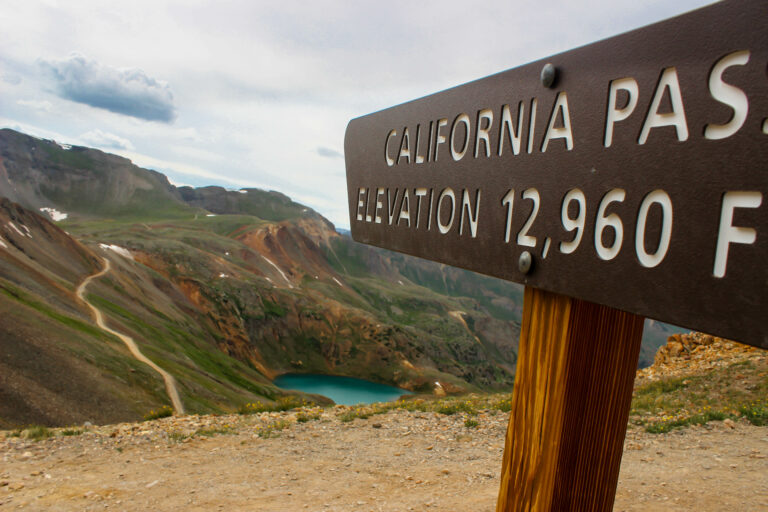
(396, 461)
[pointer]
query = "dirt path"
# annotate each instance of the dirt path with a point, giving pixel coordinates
(399, 461)
(170, 383)
(459, 315)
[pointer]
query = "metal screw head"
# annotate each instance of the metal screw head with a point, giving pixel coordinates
(548, 75)
(525, 263)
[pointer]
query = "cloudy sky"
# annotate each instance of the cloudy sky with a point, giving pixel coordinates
(252, 93)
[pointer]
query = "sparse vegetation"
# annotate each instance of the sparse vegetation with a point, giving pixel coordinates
(163, 412)
(284, 403)
(177, 436)
(37, 433)
(736, 391)
(272, 429)
(71, 432)
(273, 308)
(471, 423)
(362, 413)
(470, 405)
(755, 412)
(210, 432)
(304, 416)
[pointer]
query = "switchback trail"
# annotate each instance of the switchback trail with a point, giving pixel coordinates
(170, 383)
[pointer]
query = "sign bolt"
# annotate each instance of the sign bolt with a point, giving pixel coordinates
(548, 75)
(525, 263)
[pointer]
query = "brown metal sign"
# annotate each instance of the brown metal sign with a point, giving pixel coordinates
(631, 172)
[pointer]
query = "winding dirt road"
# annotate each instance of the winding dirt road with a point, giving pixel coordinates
(170, 383)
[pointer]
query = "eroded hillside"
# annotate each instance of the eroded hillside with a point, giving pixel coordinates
(223, 289)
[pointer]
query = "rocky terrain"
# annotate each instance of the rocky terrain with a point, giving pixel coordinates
(415, 455)
(696, 353)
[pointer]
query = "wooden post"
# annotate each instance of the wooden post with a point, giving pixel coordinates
(570, 405)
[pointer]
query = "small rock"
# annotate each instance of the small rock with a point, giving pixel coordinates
(27, 455)
(430, 447)
(376, 425)
(152, 484)
(3, 483)
(728, 422)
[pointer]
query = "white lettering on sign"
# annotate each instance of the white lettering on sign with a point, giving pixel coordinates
(509, 201)
(391, 205)
(480, 130)
(482, 134)
(532, 125)
(405, 147)
(360, 202)
(463, 119)
(379, 205)
(570, 224)
(662, 199)
(419, 193)
(447, 192)
(614, 114)
(612, 221)
(729, 95)
(390, 161)
(440, 138)
(523, 238)
(419, 156)
(512, 132)
(466, 209)
(573, 217)
(431, 135)
(564, 132)
(485, 114)
(728, 233)
(405, 209)
(676, 118)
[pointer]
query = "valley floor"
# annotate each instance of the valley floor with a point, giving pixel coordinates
(398, 461)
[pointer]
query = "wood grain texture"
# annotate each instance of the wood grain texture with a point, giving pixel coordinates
(570, 406)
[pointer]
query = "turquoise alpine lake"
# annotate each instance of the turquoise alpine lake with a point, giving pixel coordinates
(342, 390)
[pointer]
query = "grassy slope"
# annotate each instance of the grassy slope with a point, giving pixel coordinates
(64, 370)
(739, 389)
(203, 247)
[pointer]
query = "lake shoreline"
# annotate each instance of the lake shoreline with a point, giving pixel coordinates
(341, 389)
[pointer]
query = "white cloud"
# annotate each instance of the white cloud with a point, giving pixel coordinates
(10, 79)
(123, 91)
(43, 106)
(328, 152)
(102, 139)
